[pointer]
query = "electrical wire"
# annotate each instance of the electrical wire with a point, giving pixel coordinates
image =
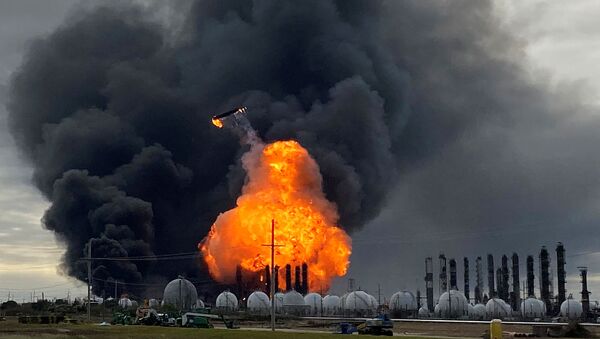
(35, 288)
(119, 282)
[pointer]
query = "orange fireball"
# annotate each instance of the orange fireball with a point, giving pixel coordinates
(217, 122)
(284, 184)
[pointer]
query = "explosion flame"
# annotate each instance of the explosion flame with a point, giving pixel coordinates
(284, 184)
(217, 122)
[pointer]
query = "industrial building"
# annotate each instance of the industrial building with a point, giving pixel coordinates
(505, 298)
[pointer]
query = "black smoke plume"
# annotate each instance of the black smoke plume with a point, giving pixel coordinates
(113, 110)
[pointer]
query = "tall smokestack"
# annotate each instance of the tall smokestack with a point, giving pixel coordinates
(530, 277)
(478, 281)
(585, 294)
(304, 278)
(429, 282)
(267, 289)
(238, 280)
(545, 278)
(297, 285)
(453, 284)
(466, 277)
(288, 277)
(490, 264)
(516, 287)
(505, 277)
(560, 271)
(499, 283)
(443, 274)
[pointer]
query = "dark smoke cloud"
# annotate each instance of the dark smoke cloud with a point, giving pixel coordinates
(113, 108)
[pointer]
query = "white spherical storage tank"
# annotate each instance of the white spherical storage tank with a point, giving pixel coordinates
(478, 313)
(279, 302)
(293, 303)
(125, 303)
(153, 303)
(315, 303)
(258, 302)
(199, 304)
(497, 308)
(374, 302)
(342, 303)
(359, 303)
(403, 301)
(293, 298)
(532, 308)
(452, 304)
(571, 309)
(226, 301)
(423, 312)
(331, 305)
(180, 293)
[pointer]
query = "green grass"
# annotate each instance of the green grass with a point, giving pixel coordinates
(20, 331)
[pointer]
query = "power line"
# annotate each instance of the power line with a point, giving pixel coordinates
(35, 288)
(141, 259)
(170, 256)
(206, 281)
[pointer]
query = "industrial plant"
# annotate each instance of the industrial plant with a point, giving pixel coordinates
(505, 296)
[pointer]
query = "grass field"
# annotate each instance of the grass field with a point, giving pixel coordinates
(11, 329)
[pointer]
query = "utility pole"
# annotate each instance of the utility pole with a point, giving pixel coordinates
(89, 286)
(116, 283)
(272, 292)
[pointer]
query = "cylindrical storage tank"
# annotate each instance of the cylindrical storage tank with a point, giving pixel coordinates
(359, 303)
(403, 301)
(134, 304)
(532, 308)
(125, 303)
(453, 304)
(423, 312)
(478, 313)
(496, 308)
(258, 302)
(331, 305)
(436, 310)
(571, 309)
(199, 304)
(315, 303)
(226, 302)
(180, 293)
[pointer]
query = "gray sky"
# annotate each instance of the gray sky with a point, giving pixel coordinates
(560, 46)
(560, 43)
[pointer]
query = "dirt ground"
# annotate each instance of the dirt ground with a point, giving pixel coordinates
(291, 328)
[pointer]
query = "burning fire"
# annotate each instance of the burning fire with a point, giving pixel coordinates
(217, 122)
(284, 184)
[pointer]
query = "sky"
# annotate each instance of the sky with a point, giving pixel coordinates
(560, 44)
